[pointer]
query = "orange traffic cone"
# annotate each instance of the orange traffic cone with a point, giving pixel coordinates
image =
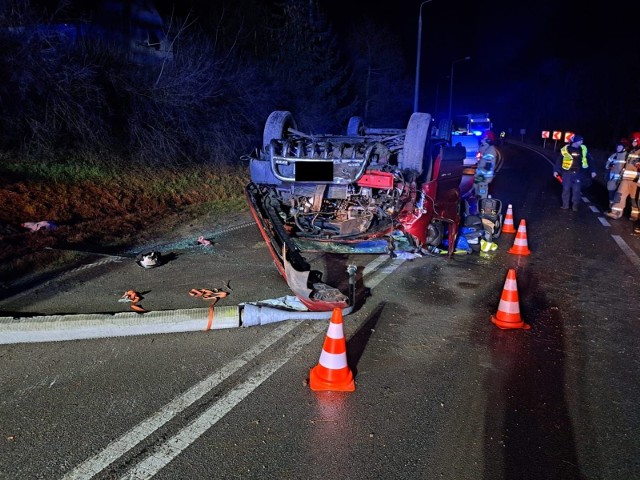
(332, 372)
(508, 226)
(520, 243)
(508, 315)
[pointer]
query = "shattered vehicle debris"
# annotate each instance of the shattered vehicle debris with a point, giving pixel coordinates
(349, 193)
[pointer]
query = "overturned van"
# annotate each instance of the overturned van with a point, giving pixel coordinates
(349, 192)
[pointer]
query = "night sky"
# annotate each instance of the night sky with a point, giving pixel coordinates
(509, 43)
(512, 44)
(590, 49)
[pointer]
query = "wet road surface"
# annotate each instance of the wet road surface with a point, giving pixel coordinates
(440, 391)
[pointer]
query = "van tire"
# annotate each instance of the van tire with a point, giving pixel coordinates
(416, 142)
(355, 127)
(276, 126)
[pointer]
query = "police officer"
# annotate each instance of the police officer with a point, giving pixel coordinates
(572, 166)
(628, 184)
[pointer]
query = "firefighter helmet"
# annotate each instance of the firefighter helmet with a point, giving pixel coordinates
(490, 137)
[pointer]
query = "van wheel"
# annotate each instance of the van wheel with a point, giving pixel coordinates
(277, 125)
(355, 127)
(444, 129)
(416, 142)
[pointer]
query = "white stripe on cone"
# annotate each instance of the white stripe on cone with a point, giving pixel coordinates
(333, 361)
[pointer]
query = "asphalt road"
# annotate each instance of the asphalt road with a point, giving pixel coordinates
(440, 391)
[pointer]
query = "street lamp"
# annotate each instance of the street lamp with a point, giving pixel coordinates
(417, 87)
(451, 85)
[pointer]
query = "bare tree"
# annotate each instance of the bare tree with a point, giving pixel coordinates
(380, 74)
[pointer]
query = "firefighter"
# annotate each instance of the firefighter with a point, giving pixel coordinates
(628, 184)
(572, 165)
(485, 170)
(613, 168)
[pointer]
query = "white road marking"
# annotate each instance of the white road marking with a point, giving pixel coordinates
(374, 264)
(594, 209)
(384, 272)
(173, 446)
(119, 447)
(627, 250)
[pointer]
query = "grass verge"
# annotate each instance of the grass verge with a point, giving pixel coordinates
(104, 206)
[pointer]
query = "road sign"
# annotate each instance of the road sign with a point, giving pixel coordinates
(545, 134)
(568, 137)
(557, 135)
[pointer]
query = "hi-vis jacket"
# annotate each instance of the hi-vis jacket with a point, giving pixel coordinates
(567, 158)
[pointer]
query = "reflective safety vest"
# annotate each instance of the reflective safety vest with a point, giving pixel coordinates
(567, 159)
